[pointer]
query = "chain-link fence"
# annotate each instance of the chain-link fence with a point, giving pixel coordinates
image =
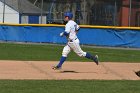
(87, 12)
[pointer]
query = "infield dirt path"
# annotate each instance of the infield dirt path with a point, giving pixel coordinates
(71, 70)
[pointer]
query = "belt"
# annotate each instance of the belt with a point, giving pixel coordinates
(72, 40)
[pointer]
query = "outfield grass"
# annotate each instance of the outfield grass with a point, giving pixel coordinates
(53, 52)
(69, 86)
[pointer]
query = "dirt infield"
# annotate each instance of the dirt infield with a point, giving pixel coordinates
(71, 70)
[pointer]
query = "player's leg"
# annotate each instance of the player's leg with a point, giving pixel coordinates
(92, 57)
(65, 52)
(77, 49)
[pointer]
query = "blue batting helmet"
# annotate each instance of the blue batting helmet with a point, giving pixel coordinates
(68, 14)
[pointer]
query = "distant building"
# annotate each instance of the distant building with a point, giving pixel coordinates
(20, 11)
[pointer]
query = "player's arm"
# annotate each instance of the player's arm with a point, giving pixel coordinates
(77, 31)
(66, 32)
(77, 28)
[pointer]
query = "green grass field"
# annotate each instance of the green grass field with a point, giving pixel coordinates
(53, 52)
(68, 86)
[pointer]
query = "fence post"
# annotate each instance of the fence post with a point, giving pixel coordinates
(130, 6)
(3, 12)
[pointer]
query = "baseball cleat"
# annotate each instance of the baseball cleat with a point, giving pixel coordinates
(56, 68)
(95, 59)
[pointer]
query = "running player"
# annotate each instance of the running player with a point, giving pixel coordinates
(71, 30)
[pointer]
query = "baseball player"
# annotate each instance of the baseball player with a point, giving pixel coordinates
(71, 30)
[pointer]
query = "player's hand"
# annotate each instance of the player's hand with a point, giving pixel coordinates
(61, 34)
